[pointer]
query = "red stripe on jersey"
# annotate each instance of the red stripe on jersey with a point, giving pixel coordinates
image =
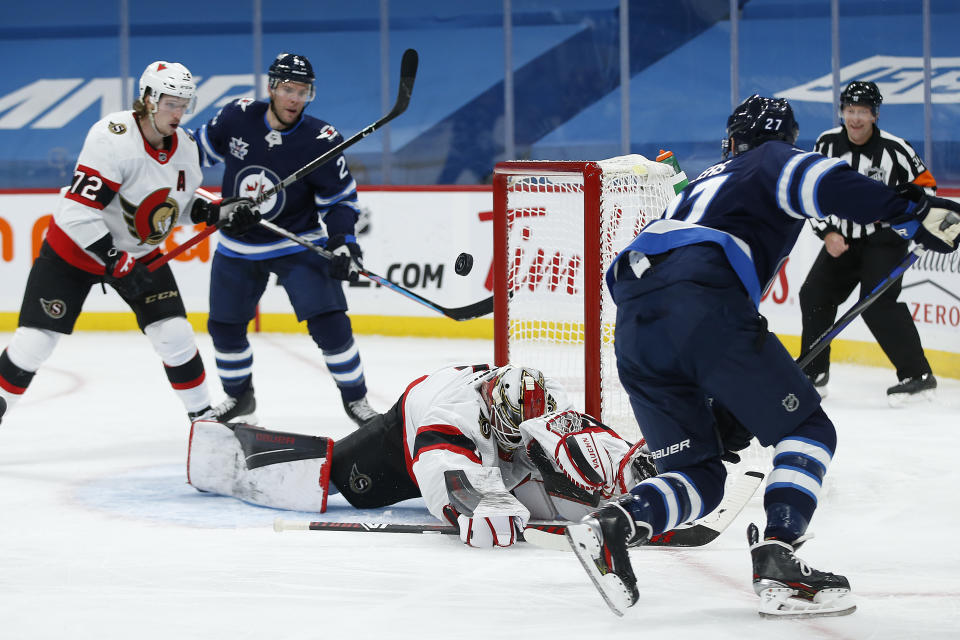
(90, 171)
(460, 451)
(192, 384)
(441, 428)
(403, 416)
(67, 249)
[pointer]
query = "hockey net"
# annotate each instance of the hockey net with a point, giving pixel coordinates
(557, 228)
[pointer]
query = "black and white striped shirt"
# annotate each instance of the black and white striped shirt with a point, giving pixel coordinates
(885, 158)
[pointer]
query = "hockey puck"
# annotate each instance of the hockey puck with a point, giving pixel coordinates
(464, 264)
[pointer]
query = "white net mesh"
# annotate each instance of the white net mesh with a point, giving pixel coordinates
(548, 266)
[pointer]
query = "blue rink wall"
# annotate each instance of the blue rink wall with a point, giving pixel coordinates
(65, 61)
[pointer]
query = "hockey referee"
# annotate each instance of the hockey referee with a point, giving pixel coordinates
(865, 254)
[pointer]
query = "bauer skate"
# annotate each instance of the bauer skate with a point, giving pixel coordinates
(360, 411)
(600, 542)
(242, 409)
(788, 588)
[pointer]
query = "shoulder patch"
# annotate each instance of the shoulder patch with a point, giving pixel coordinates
(117, 127)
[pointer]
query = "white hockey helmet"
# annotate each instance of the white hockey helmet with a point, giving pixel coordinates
(511, 395)
(170, 78)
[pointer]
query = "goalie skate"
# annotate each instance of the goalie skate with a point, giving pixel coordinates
(789, 588)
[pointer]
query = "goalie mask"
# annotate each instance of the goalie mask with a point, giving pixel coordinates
(168, 78)
(757, 120)
(510, 396)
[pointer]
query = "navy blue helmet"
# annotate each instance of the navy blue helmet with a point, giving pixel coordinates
(757, 120)
(862, 92)
(290, 67)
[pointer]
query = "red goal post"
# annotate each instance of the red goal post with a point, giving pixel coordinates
(557, 227)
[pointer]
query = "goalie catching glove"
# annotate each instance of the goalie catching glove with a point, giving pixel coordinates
(345, 263)
(933, 224)
(233, 215)
(588, 453)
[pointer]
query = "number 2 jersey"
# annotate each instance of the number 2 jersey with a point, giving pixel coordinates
(123, 186)
(754, 206)
(257, 157)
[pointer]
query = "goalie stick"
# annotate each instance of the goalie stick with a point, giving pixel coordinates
(408, 74)
(551, 534)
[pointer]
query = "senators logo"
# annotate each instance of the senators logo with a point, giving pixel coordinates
(117, 127)
(54, 308)
(359, 482)
(152, 220)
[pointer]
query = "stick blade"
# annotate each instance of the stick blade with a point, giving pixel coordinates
(408, 74)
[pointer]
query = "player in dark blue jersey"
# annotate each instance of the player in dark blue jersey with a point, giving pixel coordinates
(260, 144)
(705, 376)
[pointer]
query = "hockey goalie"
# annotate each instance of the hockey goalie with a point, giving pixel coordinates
(507, 436)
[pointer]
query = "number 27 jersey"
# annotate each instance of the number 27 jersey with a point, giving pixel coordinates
(754, 206)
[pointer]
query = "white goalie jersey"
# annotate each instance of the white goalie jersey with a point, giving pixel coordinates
(123, 186)
(445, 429)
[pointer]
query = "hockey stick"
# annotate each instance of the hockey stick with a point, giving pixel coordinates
(550, 535)
(280, 525)
(408, 74)
(824, 340)
(468, 312)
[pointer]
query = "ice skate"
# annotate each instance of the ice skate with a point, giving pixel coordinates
(600, 542)
(819, 381)
(360, 411)
(789, 588)
(242, 409)
(910, 388)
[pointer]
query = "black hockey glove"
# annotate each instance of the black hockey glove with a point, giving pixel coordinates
(346, 262)
(733, 435)
(935, 222)
(130, 278)
(234, 215)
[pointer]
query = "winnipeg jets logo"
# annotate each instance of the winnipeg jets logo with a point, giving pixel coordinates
(273, 138)
(238, 148)
(791, 403)
(153, 219)
(253, 180)
(243, 103)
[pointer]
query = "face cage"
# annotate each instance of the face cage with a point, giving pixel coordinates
(505, 430)
(276, 81)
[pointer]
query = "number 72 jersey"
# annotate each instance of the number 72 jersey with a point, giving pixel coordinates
(754, 206)
(124, 186)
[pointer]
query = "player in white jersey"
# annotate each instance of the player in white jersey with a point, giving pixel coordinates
(135, 176)
(556, 462)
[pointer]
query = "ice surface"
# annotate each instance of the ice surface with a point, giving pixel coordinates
(101, 537)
